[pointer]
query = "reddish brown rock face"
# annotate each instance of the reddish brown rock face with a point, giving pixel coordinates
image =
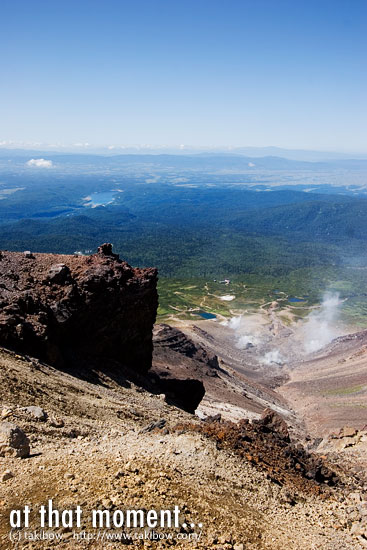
(64, 308)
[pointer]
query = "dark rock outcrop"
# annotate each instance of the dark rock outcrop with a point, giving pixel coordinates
(174, 339)
(94, 313)
(272, 422)
(183, 367)
(184, 393)
(284, 461)
(66, 309)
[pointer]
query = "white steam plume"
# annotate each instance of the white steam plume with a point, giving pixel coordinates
(246, 330)
(272, 357)
(319, 329)
(257, 336)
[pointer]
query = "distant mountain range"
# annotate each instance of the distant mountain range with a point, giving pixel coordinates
(209, 161)
(250, 152)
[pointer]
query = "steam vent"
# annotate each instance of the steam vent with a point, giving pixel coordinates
(66, 309)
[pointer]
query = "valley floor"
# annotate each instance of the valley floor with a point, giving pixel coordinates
(323, 390)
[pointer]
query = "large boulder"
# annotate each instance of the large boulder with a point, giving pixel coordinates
(186, 394)
(13, 441)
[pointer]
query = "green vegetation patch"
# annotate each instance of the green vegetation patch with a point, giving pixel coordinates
(346, 391)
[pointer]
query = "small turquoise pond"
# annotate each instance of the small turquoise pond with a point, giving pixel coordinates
(205, 315)
(296, 300)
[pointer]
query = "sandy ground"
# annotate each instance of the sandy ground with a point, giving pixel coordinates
(94, 450)
(329, 390)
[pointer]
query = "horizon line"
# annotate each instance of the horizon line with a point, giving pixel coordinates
(120, 148)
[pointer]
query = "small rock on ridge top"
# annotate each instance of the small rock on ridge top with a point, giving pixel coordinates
(106, 250)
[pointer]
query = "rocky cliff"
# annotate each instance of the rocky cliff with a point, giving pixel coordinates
(171, 338)
(67, 309)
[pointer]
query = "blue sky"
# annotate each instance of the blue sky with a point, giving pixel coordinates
(204, 72)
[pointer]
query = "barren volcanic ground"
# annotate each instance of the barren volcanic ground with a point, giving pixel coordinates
(322, 390)
(104, 446)
(107, 432)
(329, 389)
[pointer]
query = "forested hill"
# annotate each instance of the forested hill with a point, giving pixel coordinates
(195, 231)
(321, 220)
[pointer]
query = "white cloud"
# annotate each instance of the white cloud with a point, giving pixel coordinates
(40, 163)
(83, 145)
(251, 164)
